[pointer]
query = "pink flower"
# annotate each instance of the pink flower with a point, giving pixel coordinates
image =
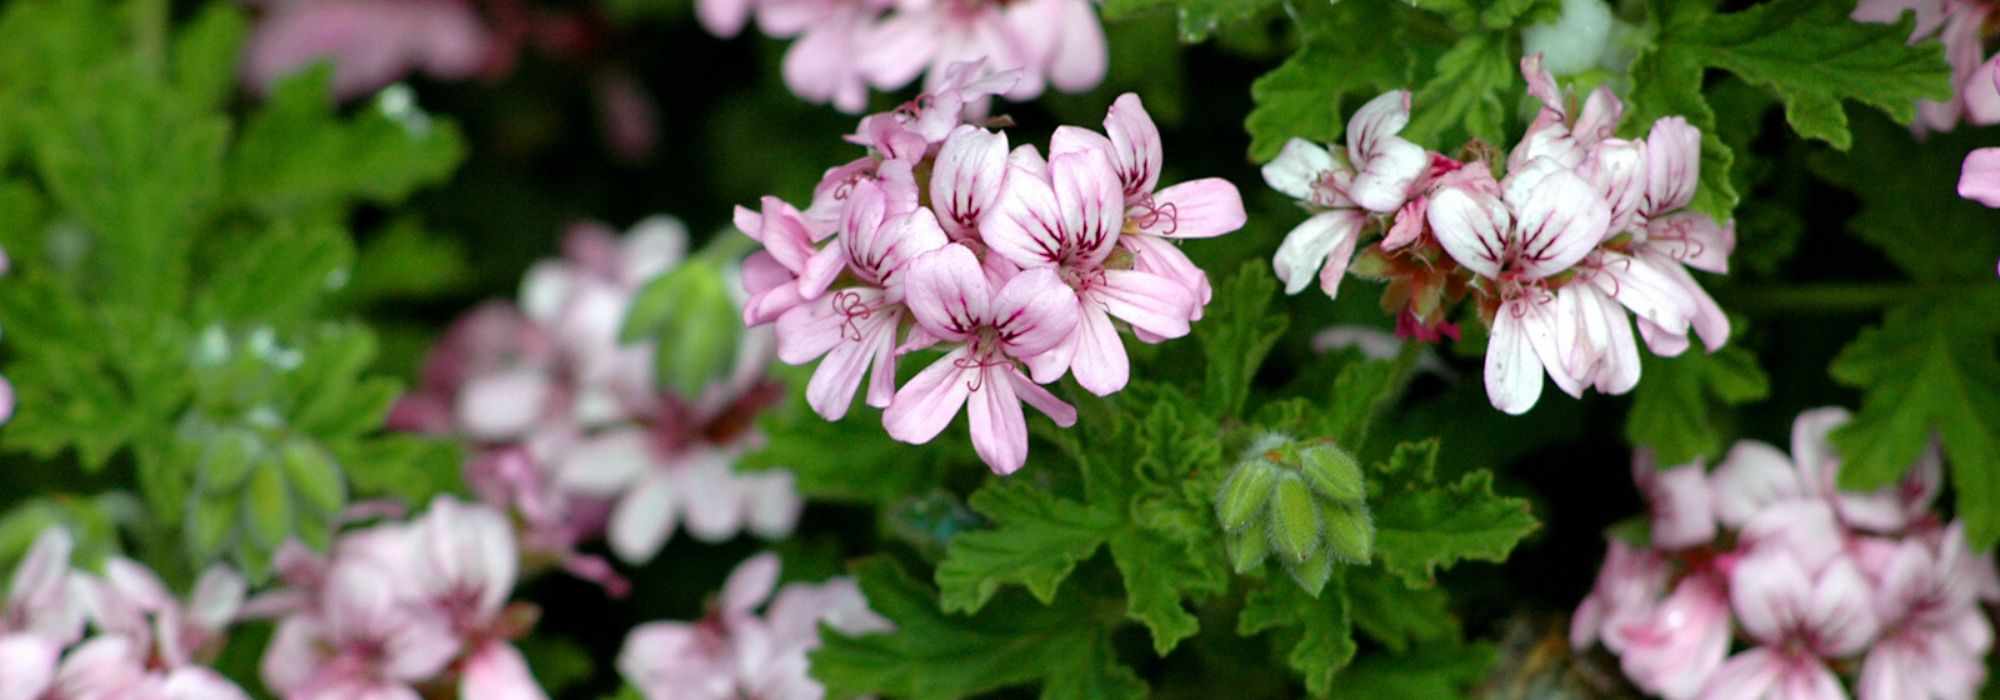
(1960, 24)
(655, 487)
(823, 64)
(723, 18)
(1679, 644)
(1754, 476)
(1539, 222)
(400, 605)
(44, 612)
(371, 43)
(1802, 618)
(1680, 501)
(1154, 221)
(1056, 42)
(1628, 586)
(733, 652)
(1935, 636)
(1068, 221)
(792, 268)
(116, 668)
(1559, 133)
(964, 94)
(1672, 238)
(855, 327)
(1376, 173)
(953, 301)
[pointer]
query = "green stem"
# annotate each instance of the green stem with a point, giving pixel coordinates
(1836, 298)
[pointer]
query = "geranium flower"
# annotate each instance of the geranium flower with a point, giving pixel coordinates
(953, 301)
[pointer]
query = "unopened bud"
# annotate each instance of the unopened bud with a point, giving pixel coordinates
(1295, 522)
(689, 315)
(1332, 473)
(1249, 548)
(1350, 533)
(1244, 494)
(1312, 573)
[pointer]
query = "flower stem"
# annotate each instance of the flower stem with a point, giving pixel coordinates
(1836, 298)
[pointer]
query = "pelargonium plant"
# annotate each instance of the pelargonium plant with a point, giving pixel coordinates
(1809, 584)
(1017, 266)
(323, 381)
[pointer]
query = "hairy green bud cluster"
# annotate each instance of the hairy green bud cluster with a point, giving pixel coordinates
(1302, 500)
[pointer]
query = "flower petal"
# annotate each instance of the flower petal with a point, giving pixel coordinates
(947, 294)
(968, 178)
(1135, 141)
(1034, 312)
(643, 519)
(1473, 226)
(1099, 362)
(1513, 372)
(1979, 181)
(1558, 217)
(1752, 476)
(999, 430)
(928, 402)
(1673, 166)
(1298, 168)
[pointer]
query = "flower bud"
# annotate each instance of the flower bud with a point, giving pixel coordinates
(1312, 573)
(1332, 473)
(1249, 548)
(692, 319)
(1350, 533)
(1244, 494)
(1295, 525)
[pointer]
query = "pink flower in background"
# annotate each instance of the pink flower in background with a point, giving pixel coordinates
(1680, 501)
(1818, 581)
(570, 430)
(1375, 174)
(1629, 584)
(1801, 618)
(1057, 42)
(952, 301)
(1961, 26)
(401, 605)
(1676, 645)
(371, 43)
(735, 652)
(44, 613)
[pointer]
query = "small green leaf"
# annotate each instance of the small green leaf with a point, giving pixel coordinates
(267, 508)
(314, 477)
(1303, 97)
(1317, 630)
(229, 458)
(1037, 538)
(1434, 672)
(1240, 329)
(1466, 98)
(1421, 525)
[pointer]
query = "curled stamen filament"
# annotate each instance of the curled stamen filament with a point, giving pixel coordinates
(978, 361)
(849, 304)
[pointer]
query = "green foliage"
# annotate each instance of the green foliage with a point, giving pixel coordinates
(173, 310)
(1303, 98)
(934, 655)
(1198, 18)
(1316, 631)
(1239, 331)
(1422, 524)
(1929, 369)
(1674, 410)
(1037, 539)
(1464, 98)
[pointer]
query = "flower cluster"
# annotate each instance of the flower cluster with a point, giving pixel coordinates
(1014, 264)
(1583, 228)
(844, 47)
(1963, 26)
(732, 652)
(402, 607)
(147, 644)
(569, 431)
(1814, 577)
